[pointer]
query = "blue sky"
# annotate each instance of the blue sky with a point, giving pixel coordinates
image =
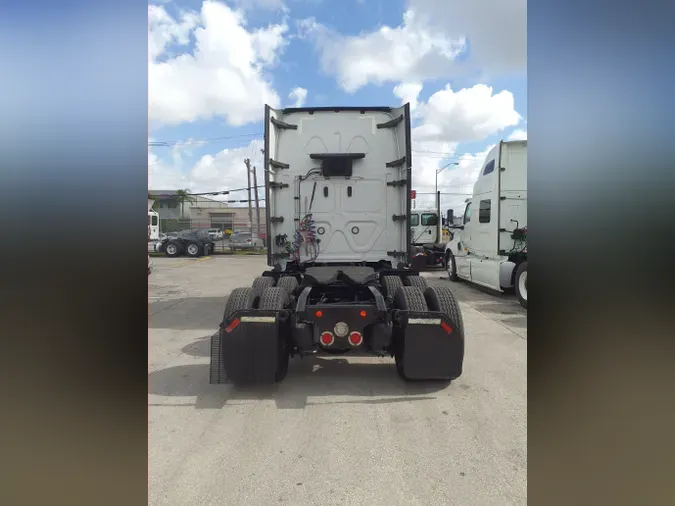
(224, 59)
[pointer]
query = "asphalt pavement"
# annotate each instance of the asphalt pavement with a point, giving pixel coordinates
(336, 431)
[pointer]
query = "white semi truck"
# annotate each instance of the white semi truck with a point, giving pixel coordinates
(153, 222)
(489, 248)
(337, 184)
(427, 234)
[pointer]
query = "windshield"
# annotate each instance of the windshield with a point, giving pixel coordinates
(429, 219)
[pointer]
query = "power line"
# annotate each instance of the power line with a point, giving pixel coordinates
(223, 192)
(200, 141)
(256, 135)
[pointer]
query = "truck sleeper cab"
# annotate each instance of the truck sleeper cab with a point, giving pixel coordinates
(340, 280)
(489, 248)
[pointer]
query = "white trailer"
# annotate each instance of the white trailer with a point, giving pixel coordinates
(489, 248)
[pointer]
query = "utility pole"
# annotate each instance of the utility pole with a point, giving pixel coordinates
(438, 197)
(247, 162)
(257, 203)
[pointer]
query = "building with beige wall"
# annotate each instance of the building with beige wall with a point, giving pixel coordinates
(203, 212)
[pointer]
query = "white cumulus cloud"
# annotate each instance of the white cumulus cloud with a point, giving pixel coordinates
(518, 135)
(432, 34)
(225, 75)
(270, 5)
(469, 114)
(223, 170)
(447, 119)
(299, 95)
(408, 92)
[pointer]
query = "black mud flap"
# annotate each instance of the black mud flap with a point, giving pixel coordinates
(433, 347)
(246, 349)
(419, 262)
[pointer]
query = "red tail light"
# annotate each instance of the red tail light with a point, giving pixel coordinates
(363, 314)
(355, 338)
(327, 338)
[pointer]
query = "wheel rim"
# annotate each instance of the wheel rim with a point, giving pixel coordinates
(192, 249)
(522, 285)
(171, 249)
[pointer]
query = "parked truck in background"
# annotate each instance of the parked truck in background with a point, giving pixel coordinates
(489, 248)
(427, 238)
(153, 223)
(337, 184)
(153, 228)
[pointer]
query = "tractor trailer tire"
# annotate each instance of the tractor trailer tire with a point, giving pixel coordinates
(240, 298)
(407, 298)
(276, 298)
(521, 284)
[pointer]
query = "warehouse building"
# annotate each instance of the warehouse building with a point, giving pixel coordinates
(202, 212)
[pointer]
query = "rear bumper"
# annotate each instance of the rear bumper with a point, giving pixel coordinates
(249, 344)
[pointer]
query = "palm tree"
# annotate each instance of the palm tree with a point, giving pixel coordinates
(183, 196)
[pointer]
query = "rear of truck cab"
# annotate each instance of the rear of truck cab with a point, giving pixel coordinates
(337, 184)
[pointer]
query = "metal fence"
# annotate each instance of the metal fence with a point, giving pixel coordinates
(222, 246)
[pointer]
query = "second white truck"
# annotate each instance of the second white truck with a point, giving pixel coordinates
(426, 235)
(489, 248)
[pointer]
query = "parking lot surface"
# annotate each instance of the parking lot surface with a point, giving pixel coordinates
(338, 431)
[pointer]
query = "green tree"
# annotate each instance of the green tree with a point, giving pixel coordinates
(183, 196)
(155, 204)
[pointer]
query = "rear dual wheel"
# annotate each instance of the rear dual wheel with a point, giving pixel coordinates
(194, 249)
(438, 299)
(267, 298)
(173, 249)
(276, 299)
(407, 298)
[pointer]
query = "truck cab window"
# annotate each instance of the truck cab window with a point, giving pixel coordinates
(467, 213)
(429, 220)
(489, 167)
(414, 220)
(484, 211)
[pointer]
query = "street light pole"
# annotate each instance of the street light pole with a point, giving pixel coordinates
(438, 198)
(438, 171)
